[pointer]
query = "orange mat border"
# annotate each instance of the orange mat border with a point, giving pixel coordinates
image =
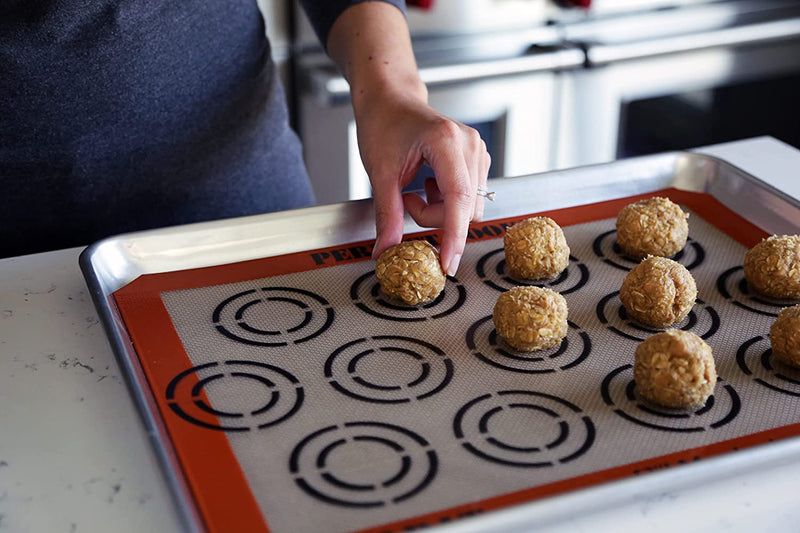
(219, 485)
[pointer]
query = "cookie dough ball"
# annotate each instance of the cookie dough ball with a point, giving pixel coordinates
(411, 272)
(772, 267)
(535, 248)
(675, 368)
(531, 318)
(658, 292)
(784, 335)
(655, 226)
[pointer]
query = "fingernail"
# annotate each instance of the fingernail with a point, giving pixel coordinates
(451, 270)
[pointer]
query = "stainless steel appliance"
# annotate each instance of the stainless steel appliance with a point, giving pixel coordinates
(550, 85)
(679, 78)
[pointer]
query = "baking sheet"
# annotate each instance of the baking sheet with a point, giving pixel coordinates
(707, 174)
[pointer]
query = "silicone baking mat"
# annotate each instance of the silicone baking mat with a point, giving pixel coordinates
(298, 398)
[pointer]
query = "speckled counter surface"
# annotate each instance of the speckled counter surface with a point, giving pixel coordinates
(74, 455)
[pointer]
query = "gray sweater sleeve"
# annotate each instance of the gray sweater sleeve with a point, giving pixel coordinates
(323, 13)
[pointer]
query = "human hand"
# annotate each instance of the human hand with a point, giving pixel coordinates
(398, 131)
(396, 136)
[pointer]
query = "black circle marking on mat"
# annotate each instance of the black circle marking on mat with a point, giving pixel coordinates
(574, 430)
(691, 256)
(484, 343)
(435, 369)
(764, 370)
(733, 286)
(612, 314)
(714, 414)
(284, 397)
(492, 270)
(317, 476)
(367, 296)
(315, 316)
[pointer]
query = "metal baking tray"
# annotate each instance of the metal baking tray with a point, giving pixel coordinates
(113, 263)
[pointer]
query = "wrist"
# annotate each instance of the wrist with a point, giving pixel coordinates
(376, 91)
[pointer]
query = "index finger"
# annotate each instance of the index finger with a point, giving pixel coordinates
(458, 194)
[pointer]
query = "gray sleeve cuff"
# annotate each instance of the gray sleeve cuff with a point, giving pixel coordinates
(323, 13)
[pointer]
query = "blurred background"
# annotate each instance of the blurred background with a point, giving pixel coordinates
(555, 84)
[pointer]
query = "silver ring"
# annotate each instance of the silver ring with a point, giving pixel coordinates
(489, 195)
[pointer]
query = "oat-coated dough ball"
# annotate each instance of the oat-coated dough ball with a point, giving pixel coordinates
(411, 271)
(772, 267)
(655, 226)
(658, 292)
(784, 335)
(531, 318)
(675, 368)
(535, 248)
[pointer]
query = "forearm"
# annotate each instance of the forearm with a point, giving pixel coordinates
(371, 45)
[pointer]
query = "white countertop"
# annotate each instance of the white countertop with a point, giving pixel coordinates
(74, 454)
